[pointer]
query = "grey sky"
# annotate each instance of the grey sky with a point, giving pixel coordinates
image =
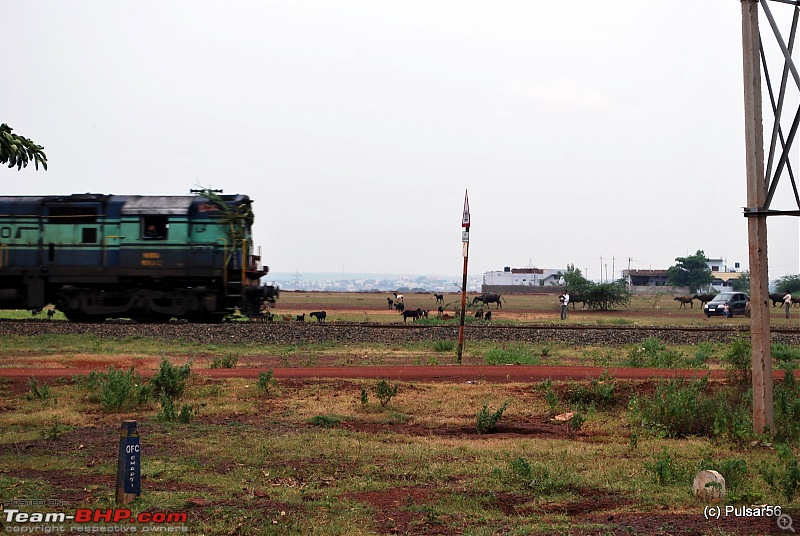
(582, 129)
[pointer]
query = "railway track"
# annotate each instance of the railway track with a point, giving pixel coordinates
(346, 332)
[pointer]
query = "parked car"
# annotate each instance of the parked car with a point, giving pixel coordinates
(737, 301)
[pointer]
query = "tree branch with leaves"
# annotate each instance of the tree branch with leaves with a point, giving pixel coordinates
(18, 151)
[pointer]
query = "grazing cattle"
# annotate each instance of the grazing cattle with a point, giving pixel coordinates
(704, 298)
(489, 297)
(795, 300)
(439, 297)
(413, 314)
(479, 314)
(319, 315)
(440, 312)
(447, 317)
(488, 316)
(684, 300)
(398, 297)
(390, 302)
(301, 318)
(399, 307)
(574, 298)
(776, 298)
(36, 311)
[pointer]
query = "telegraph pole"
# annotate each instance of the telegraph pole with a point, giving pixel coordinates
(465, 253)
(761, 360)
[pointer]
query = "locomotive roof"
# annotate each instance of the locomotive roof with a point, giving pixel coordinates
(131, 204)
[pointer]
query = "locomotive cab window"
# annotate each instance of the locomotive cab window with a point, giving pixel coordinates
(154, 228)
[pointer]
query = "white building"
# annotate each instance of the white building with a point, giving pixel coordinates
(529, 277)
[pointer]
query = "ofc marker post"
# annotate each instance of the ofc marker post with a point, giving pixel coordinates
(465, 253)
(129, 464)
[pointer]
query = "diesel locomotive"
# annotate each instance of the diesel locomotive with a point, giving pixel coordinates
(148, 258)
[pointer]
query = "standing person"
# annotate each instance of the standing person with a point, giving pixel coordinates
(787, 302)
(564, 299)
(726, 310)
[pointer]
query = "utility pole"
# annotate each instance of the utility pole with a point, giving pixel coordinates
(756, 222)
(465, 253)
(601, 268)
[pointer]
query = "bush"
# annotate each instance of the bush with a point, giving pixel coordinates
(653, 353)
(170, 413)
(662, 468)
(786, 396)
(266, 381)
(116, 389)
(325, 421)
(444, 346)
(385, 392)
(486, 421)
(170, 380)
(512, 354)
(738, 360)
(534, 477)
(783, 476)
(681, 408)
(599, 392)
(226, 361)
(784, 352)
(37, 392)
(550, 396)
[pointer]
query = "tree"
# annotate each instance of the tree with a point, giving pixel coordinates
(742, 283)
(17, 151)
(574, 280)
(605, 296)
(691, 271)
(788, 283)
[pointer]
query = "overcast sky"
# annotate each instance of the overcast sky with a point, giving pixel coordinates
(582, 129)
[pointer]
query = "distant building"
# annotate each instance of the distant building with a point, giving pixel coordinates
(645, 278)
(521, 279)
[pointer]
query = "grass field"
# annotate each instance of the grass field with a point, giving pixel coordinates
(345, 456)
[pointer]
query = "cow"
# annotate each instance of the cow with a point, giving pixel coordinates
(574, 298)
(51, 313)
(390, 302)
(447, 317)
(684, 300)
(439, 297)
(301, 318)
(399, 307)
(488, 316)
(413, 314)
(487, 298)
(479, 314)
(776, 298)
(704, 298)
(287, 318)
(440, 312)
(398, 297)
(319, 315)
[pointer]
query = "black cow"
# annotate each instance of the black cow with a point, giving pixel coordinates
(684, 300)
(399, 307)
(439, 297)
(776, 298)
(319, 315)
(413, 314)
(390, 302)
(488, 316)
(704, 298)
(479, 314)
(301, 318)
(489, 297)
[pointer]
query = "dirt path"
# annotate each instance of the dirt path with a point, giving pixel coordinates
(440, 373)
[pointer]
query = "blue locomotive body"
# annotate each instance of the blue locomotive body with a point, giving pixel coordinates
(150, 258)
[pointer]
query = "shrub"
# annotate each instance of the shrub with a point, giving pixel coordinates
(266, 381)
(37, 392)
(385, 392)
(681, 408)
(512, 354)
(325, 421)
(364, 396)
(599, 392)
(170, 380)
(653, 353)
(533, 476)
(662, 467)
(444, 346)
(55, 431)
(783, 476)
(170, 413)
(784, 352)
(550, 396)
(786, 396)
(486, 421)
(738, 360)
(116, 389)
(226, 361)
